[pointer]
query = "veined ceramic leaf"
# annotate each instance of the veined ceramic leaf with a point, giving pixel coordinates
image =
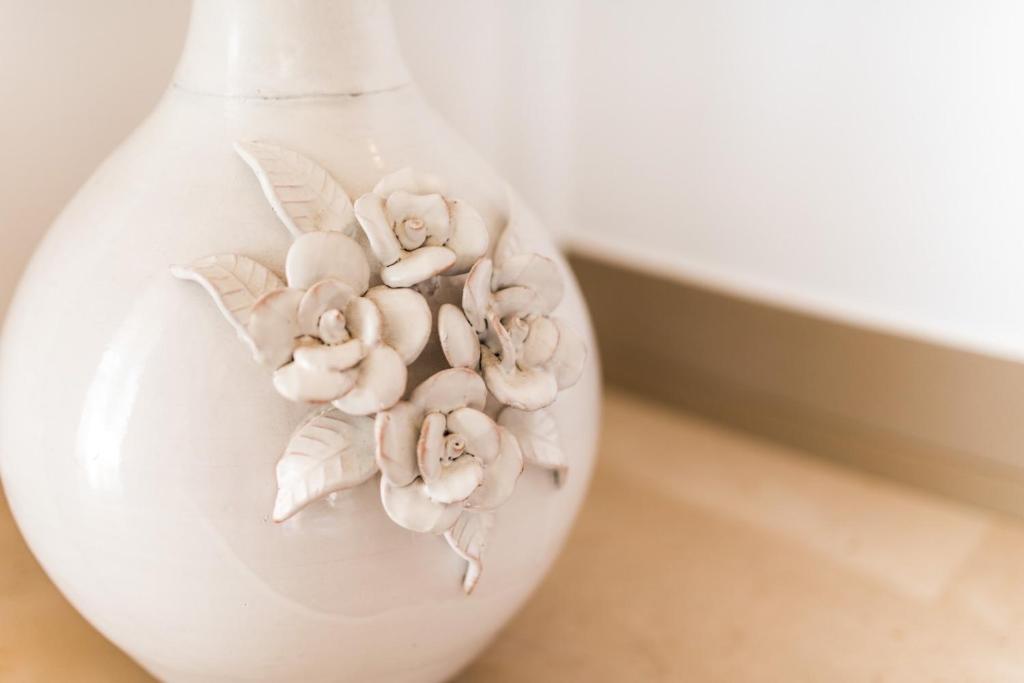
(510, 243)
(304, 195)
(537, 433)
(520, 234)
(329, 452)
(235, 283)
(468, 538)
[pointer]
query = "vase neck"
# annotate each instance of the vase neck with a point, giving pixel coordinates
(290, 48)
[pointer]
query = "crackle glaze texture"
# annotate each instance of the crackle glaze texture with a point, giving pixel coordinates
(138, 439)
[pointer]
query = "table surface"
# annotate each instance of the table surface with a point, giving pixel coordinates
(702, 554)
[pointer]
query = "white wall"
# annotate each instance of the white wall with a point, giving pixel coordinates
(76, 77)
(860, 158)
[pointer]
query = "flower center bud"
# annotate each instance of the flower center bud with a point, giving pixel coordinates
(454, 447)
(518, 329)
(412, 233)
(332, 327)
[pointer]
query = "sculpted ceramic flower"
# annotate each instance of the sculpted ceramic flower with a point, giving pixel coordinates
(441, 456)
(504, 326)
(331, 339)
(416, 232)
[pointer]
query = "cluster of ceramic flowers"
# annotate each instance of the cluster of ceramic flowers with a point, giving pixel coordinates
(447, 454)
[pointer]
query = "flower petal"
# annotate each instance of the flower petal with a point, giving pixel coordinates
(570, 355)
(407, 320)
(450, 390)
(448, 481)
(397, 430)
(323, 357)
(429, 208)
(411, 507)
(364, 321)
(479, 431)
(379, 385)
(327, 255)
(298, 383)
(499, 336)
(457, 481)
(458, 340)
(516, 236)
(540, 343)
(524, 389)
(409, 180)
(378, 228)
(500, 476)
(323, 296)
(476, 294)
(430, 447)
(469, 237)
(416, 266)
(534, 272)
(518, 301)
(274, 325)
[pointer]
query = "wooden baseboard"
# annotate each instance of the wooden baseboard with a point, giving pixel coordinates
(941, 418)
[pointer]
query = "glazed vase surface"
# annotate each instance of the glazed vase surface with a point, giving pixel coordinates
(139, 439)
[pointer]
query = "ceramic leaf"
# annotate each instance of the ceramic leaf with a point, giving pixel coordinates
(468, 538)
(303, 194)
(536, 273)
(329, 452)
(520, 234)
(235, 283)
(509, 244)
(569, 357)
(537, 433)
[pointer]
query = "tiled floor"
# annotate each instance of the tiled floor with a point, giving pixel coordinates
(701, 555)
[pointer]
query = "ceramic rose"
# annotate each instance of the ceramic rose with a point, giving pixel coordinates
(416, 232)
(295, 389)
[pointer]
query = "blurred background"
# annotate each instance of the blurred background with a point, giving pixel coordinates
(821, 206)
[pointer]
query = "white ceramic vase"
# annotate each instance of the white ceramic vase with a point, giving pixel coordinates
(139, 439)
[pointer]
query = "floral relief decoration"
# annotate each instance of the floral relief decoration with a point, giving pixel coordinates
(353, 311)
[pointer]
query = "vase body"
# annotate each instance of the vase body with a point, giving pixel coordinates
(138, 445)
